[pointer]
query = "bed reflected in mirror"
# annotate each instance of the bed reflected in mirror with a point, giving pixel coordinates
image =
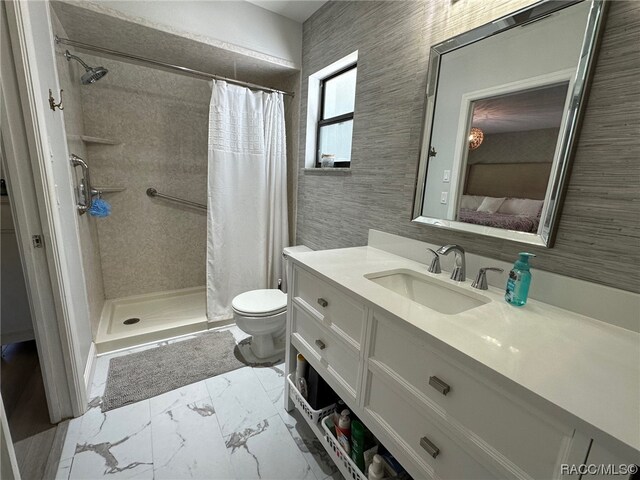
(512, 141)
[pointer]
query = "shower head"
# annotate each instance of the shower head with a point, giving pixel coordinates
(91, 74)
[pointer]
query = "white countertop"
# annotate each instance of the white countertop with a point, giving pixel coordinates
(586, 367)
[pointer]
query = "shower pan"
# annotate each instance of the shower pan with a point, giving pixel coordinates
(139, 319)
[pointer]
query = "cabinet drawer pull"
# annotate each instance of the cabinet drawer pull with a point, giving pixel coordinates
(321, 345)
(430, 448)
(322, 302)
(439, 385)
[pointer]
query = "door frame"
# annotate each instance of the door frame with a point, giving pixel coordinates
(33, 197)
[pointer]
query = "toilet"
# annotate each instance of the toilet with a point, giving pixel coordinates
(263, 314)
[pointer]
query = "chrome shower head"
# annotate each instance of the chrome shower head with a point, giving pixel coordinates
(91, 74)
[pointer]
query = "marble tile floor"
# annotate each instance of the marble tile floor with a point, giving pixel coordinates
(232, 426)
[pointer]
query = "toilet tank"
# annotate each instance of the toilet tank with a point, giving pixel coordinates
(286, 267)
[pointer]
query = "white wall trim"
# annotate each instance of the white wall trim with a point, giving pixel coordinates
(313, 104)
(57, 341)
(8, 462)
(610, 305)
(90, 367)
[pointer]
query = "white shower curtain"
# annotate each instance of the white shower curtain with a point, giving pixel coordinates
(247, 225)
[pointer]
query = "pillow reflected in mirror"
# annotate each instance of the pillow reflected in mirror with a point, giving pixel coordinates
(491, 204)
(521, 206)
(471, 202)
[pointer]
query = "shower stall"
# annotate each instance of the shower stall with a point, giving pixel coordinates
(140, 122)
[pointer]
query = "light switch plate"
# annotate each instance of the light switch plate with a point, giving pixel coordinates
(446, 176)
(443, 198)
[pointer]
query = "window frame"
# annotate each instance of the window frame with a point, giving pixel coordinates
(333, 120)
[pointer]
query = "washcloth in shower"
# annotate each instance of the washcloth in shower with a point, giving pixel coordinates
(100, 208)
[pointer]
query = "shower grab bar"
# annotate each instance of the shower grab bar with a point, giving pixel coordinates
(84, 189)
(152, 192)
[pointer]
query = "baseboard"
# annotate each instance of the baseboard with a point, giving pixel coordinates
(90, 367)
(15, 337)
(53, 461)
(220, 323)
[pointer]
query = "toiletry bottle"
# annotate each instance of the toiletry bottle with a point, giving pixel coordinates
(376, 469)
(301, 367)
(343, 431)
(340, 406)
(357, 444)
(519, 281)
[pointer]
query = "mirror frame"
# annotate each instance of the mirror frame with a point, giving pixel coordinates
(569, 128)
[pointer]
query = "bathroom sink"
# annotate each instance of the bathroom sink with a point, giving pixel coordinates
(427, 291)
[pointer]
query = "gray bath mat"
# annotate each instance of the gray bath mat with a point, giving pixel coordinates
(145, 374)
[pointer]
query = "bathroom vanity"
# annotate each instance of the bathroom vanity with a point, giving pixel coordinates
(454, 381)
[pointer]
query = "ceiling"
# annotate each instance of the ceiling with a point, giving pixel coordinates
(298, 10)
(527, 110)
(96, 28)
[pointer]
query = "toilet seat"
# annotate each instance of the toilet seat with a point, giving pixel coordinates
(260, 303)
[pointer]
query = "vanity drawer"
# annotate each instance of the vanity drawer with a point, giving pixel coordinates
(530, 440)
(344, 316)
(322, 347)
(417, 437)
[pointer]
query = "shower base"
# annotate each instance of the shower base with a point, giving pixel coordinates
(136, 320)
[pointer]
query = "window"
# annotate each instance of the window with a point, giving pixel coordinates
(335, 123)
(330, 104)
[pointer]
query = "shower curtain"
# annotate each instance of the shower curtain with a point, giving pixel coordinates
(247, 225)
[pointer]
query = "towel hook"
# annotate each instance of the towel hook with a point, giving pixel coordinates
(52, 102)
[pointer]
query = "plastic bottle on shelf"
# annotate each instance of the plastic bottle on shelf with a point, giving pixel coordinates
(301, 367)
(357, 444)
(340, 406)
(343, 431)
(376, 469)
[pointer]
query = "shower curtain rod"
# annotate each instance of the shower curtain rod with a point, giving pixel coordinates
(189, 71)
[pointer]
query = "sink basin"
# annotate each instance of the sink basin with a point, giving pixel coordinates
(427, 291)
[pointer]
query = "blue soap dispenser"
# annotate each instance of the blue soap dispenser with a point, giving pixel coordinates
(519, 281)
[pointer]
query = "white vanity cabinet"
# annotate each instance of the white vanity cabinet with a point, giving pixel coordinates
(460, 413)
(603, 464)
(441, 413)
(328, 328)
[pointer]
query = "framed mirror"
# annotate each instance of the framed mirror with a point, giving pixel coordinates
(504, 103)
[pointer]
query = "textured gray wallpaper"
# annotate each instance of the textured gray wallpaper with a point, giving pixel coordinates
(599, 232)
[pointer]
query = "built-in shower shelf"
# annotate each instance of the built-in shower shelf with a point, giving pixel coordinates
(109, 189)
(95, 140)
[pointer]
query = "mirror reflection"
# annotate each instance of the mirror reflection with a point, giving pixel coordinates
(503, 105)
(512, 143)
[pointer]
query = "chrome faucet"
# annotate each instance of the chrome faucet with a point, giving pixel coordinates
(481, 280)
(459, 273)
(435, 263)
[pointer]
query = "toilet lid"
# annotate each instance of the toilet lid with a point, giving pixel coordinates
(260, 302)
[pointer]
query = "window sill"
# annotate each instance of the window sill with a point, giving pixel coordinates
(327, 171)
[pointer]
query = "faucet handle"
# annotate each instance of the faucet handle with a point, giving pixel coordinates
(435, 262)
(481, 279)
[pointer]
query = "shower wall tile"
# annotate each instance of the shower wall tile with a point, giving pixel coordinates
(69, 76)
(598, 233)
(160, 121)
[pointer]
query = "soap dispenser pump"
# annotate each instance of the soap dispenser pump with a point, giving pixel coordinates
(519, 281)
